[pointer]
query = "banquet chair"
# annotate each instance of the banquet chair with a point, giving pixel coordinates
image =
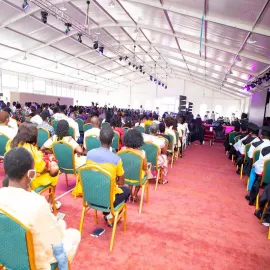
(247, 147)
(141, 129)
(116, 141)
(91, 142)
(256, 156)
(98, 193)
(80, 124)
(3, 142)
(43, 136)
(87, 127)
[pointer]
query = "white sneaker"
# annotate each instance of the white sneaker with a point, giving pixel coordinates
(266, 224)
(57, 205)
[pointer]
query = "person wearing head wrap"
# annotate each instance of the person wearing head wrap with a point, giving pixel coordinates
(253, 131)
(4, 128)
(236, 130)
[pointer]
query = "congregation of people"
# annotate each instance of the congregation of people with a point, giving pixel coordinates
(30, 167)
(248, 146)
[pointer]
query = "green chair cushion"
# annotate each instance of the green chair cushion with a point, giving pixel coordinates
(54, 266)
(39, 189)
(137, 183)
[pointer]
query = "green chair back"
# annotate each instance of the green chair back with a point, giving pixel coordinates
(247, 147)
(43, 136)
(92, 142)
(116, 141)
(151, 151)
(87, 127)
(105, 124)
(54, 124)
(141, 129)
(65, 156)
(266, 172)
(177, 137)
(71, 132)
(3, 142)
(132, 164)
(256, 155)
(237, 138)
(147, 129)
(80, 124)
(171, 144)
(15, 241)
(101, 119)
(125, 129)
(96, 186)
(232, 135)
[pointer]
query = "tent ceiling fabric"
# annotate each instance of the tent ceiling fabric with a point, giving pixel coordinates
(166, 34)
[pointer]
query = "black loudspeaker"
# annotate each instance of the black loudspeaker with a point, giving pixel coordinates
(182, 104)
(244, 116)
(190, 107)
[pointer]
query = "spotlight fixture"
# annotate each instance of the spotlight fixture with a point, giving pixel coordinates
(230, 72)
(155, 80)
(133, 66)
(111, 4)
(25, 5)
(162, 84)
(68, 25)
(95, 46)
(129, 63)
(151, 78)
(140, 70)
(126, 58)
(248, 87)
(79, 37)
(120, 58)
(259, 81)
(101, 50)
(266, 77)
(253, 85)
(63, 8)
(166, 87)
(143, 72)
(44, 16)
(97, 32)
(141, 67)
(159, 82)
(136, 68)
(251, 39)
(237, 58)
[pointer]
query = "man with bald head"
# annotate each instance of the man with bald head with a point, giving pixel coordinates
(4, 128)
(94, 131)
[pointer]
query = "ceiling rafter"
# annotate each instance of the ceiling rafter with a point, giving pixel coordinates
(219, 20)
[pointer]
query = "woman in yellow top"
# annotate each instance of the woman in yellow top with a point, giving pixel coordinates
(27, 138)
(133, 140)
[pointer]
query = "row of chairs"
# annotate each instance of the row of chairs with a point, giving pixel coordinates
(266, 169)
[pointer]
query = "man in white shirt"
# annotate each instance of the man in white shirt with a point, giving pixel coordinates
(169, 130)
(4, 128)
(94, 131)
(61, 116)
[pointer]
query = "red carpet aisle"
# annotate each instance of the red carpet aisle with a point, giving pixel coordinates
(200, 220)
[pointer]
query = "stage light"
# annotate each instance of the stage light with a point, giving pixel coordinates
(143, 72)
(155, 80)
(95, 46)
(44, 16)
(230, 72)
(151, 78)
(63, 8)
(120, 58)
(25, 5)
(259, 81)
(101, 50)
(126, 58)
(253, 85)
(79, 37)
(251, 39)
(129, 63)
(266, 77)
(163, 85)
(68, 25)
(248, 87)
(141, 67)
(134, 66)
(159, 83)
(166, 87)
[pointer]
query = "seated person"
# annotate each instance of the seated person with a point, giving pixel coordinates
(253, 131)
(162, 128)
(45, 116)
(47, 172)
(133, 140)
(81, 115)
(5, 129)
(219, 131)
(169, 122)
(62, 134)
(227, 144)
(94, 131)
(112, 163)
(162, 155)
(265, 198)
(257, 144)
(255, 175)
(116, 124)
(33, 210)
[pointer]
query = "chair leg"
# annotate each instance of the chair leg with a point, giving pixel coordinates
(66, 179)
(147, 192)
(158, 172)
(241, 171)
(125, 218)
(76, 186)
(257, 201)
(247, 183)
(172, 160)
(114, 230)
(82, 219)
(53, 201)
(96, 217)
(141, 203)
(268, 234)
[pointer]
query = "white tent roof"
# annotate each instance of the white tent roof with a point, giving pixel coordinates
(166, 34)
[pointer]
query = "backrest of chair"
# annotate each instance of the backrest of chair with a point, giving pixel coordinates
(125, 129)
(132, 164)
(86, 127)
(247, 147)
(165, 139)
(105, 124)
(177, 137)
(266, 172)
(141, 129)
(96, 185)
(92, 142)
(3, 142)
(54, 124)
(71, 132)
(80, 124)
(232, 136)
(147, 129)
(256, 155)
(151, 151)
(43, 136)
(65, 156)
(116, 141)
(171, 144)
(16, 249)
(237, 138)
